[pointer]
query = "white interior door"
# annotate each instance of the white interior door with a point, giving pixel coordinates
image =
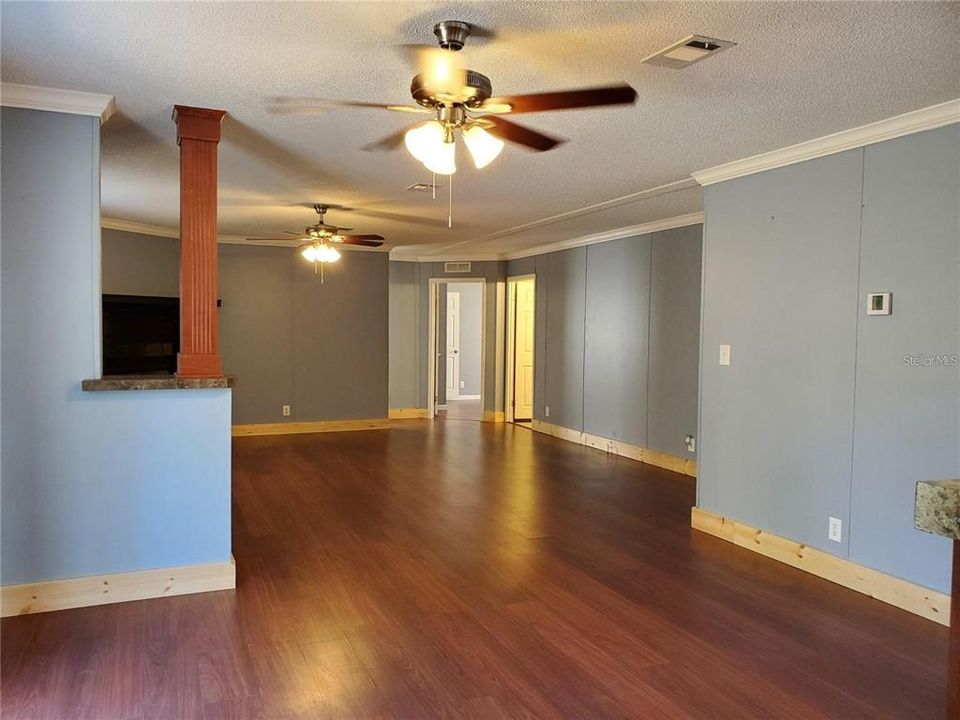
(453, 345)
(523, 345)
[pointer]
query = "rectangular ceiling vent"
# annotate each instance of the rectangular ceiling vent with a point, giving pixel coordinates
(456, 267)
(688, 51)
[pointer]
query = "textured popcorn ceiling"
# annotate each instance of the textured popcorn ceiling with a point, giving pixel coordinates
(801, 70)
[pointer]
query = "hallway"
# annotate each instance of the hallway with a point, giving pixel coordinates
(472, 570)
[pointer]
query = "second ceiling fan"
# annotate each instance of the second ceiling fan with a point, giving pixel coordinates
(462, 102)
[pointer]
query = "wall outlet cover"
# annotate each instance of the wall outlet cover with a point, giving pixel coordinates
(835, 531)
(691, 443)
(462, 384)
(285, 410)
(546, 411)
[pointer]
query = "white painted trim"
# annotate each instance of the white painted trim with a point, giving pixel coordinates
(71, 102)
(639, 196)
(926, 118)
(397, 254)
(131, 226)
(625, 232)
(467, 397)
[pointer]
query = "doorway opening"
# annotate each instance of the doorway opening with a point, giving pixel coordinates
(521, 340)
(457, 343)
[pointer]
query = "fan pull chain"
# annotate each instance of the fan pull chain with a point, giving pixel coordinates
(450, 204)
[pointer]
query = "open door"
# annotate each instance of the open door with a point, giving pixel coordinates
(520, 342)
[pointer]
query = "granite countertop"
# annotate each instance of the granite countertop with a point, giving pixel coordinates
(154, 382)
(937, 507)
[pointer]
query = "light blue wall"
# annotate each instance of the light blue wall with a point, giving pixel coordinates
(91, 483)
(817, 415)
(617, 337)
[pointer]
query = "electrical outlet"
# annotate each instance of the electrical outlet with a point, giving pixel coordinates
(836, 530)
(546, 411)
(691, 442)
(285, 410)
(462, 384)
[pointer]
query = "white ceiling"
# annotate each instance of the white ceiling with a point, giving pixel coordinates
(800, 70)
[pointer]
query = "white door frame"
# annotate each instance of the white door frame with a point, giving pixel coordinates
(434, 297)
(453, 383)
(509, 382)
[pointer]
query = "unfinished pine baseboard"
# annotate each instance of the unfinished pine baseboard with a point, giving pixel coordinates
(317, 426)
(664, 460)
(406, 413)
(79, 592)
(497, 416)
(905, 595)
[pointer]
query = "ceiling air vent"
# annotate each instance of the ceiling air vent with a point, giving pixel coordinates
(456, 267)
(688, 51)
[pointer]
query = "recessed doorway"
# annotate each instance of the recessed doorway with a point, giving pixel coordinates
(456, 372)
(521, 342)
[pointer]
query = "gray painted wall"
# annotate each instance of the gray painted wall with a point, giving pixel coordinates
(135, 264)
(672, 402)
(288, 339)
(404, 356)
(817, 414)
(91, 482)
(617, 337)
(471, 335)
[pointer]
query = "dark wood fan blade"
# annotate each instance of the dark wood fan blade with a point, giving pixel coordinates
(568, 99)
(511, 132)
(364, 240)
(390, 142)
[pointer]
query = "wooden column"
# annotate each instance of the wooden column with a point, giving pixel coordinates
(953, 665)
(198, 134)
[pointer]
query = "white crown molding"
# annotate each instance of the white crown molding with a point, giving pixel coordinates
(635, 197)
(108, 223)
(926, 118)
(618, 234)
(400, 254)
(73, 102)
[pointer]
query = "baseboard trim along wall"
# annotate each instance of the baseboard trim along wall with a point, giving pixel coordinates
(685, 466)
(51, 595)
(406, 413)
(316, 426)
(497, 416)
(905, 595)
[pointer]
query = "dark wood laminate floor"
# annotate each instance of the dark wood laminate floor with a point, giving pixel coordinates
(465, 570)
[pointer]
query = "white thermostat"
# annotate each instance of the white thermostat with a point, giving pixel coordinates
(878, 303)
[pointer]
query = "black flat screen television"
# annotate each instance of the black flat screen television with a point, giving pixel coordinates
(141, 335)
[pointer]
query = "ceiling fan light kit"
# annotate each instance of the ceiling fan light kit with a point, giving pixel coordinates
(463, 102)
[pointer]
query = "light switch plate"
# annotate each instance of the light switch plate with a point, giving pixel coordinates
(546, 411)
(724, 354)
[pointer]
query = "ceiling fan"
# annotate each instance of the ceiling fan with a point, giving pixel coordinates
(462, 102)
(321, 239)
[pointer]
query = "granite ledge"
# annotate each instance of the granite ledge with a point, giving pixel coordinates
(937, 507)
(154, 382)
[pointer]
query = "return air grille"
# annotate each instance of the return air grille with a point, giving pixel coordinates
(688, 51)
(456, 267)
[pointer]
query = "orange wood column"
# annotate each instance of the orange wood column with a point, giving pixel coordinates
(198, 134)
(953, 665)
